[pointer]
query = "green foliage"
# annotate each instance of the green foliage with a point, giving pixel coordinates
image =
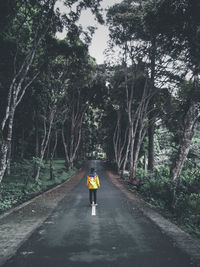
(38, 162)
(20, 186)
(157, 188)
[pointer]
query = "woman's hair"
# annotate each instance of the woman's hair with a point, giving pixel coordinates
(92, 170)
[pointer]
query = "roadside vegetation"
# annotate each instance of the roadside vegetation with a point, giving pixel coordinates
(20, 186)
(158, 190)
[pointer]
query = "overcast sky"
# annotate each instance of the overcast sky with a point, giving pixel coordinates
(100, 37)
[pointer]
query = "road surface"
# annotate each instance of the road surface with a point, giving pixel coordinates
(115, 233)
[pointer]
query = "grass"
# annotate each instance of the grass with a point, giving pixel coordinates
(20, 185)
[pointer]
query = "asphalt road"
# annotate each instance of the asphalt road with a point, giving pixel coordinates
(118, 235)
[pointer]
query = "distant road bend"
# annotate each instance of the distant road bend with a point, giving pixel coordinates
(115, 233)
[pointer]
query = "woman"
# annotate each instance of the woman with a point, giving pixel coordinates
(93, 184)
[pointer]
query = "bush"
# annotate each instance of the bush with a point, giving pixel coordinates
(157, 187)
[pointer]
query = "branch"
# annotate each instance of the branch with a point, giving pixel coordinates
(24, 89)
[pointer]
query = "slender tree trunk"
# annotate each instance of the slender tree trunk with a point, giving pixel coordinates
(36, 138)
(151, 144)
(119, 142)
(134, 129)
(3, 163)
(51, 169)
(45, 141)
(116, 140)
(9, 159)
(5, 144)
(181, 156)
(52, 156)
(190, 120)
(126, 154)
(138, 144)
(151, 123)
(145, 162)
(65, 145)
(48, 152)
(131, 155)
(72, 137)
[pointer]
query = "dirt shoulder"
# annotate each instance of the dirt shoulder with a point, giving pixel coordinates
(181, 239)
(19, 223)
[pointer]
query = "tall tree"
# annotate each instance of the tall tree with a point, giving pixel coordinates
(178, 24)
(29, 24)
(138, 43)
(28, 34)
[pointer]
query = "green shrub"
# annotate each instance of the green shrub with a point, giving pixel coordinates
(20, 185)
(157, 187)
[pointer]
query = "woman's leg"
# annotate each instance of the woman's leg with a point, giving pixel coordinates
(95, 196)
(90, 195)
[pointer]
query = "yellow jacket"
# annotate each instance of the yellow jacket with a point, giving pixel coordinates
(93, 181)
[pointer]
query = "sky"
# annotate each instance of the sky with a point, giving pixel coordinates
(100, 38)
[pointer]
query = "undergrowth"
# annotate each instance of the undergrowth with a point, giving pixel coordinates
(20, 185)
(184, 209)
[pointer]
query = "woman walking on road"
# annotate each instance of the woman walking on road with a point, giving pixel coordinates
(93, 184)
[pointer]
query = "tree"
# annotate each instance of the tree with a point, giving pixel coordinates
(76, 100)
(29, 23)
(179, 27)
(49, 97)
(137, 44)
(29, 34)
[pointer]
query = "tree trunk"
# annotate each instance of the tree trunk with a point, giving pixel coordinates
(3, 159)
(126, 154)
(189, 122)
(36, 138)
(37, 174)
(131, 155)
(151, 144)
(145, 162)
(51, 169)
(6, 144)
(45, 141)
(151, 123)
(70, 165)
(71, 145)
(52, 157)
(65, 145)
(138, 144)
(48, 152)
(9, 159)
(119, 142)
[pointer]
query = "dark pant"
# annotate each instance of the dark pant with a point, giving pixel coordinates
(93, 194)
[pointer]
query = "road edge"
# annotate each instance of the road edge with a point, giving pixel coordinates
(18, 207)
(182, 240)
(7, 251)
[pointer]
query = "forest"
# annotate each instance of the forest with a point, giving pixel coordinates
(139, 111)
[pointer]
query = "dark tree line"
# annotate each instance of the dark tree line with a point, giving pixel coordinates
(43, 80)
(154, 83)
(55, 100)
